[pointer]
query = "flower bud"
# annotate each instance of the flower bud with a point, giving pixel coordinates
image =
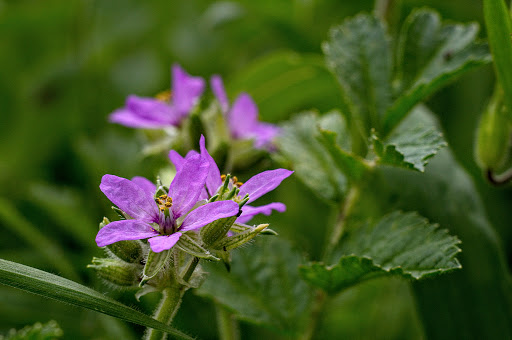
(238, 239)
(493, 135)
(216, 230)
(190, 246)
(154, 264)
(117, 272)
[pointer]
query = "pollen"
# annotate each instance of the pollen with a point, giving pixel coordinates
(164, 96)
(223, 177)
(239, 184)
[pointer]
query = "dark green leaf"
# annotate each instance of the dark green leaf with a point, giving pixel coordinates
(410, 147)
(404, 244)
(263, 286)
(477, 300)
(52, 286)
(354, 167)
(430, 55)
(358, 53)
(309, 158)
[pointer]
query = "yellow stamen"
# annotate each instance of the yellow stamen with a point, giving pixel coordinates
(239, 184)
(164, 96)
(223, 177)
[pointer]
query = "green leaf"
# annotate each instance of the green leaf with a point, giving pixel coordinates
(354, 167)
(402, 244)
(410, 147)
(477, 300)
(309, 158)
(499, 28)
(359, 54)
(38, 331)
(431, 54)
(52, 286)
(263, 286)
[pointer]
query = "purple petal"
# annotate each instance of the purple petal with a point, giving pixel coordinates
(145, 113)
(262, 183)
(188, 184)
(161, 243)
(243, 116)
(220, 93)
(264, 134)
(178, 160)
(248, 212)
(213, 180)
(130, 198)
(186, 90)
(208, 213)
(145, 184)
(124, 230)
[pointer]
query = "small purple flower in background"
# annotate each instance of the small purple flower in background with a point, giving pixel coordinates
(255, 187)
(242, 117)
(136, 198)
(153, 113)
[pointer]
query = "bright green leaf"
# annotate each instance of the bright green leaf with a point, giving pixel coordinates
(402, 244)
(263, 286)
(499, 28)
(359, 54)
(410, 147)
(430, 55)
(309, 158)
(52, 286)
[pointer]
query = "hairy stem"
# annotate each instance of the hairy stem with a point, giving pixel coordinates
(170, 303)
(226, 324)
(166, 310)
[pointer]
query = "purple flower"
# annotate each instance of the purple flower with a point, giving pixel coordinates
(255, 187)
(242, 118)
(152, 113)
(165, 218)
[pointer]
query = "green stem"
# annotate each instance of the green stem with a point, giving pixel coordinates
(316, 314)
(226, 324)
(339, 227)
(321, 297)
(170, 303)
(383, 9)
(166, 310)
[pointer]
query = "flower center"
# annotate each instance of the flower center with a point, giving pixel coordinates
(233, 181)
(164, 202)
(164, 96)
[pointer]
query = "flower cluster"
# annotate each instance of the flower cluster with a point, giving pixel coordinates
(197, 196)
(170, 109)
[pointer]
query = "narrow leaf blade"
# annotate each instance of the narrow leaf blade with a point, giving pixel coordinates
(52, 286)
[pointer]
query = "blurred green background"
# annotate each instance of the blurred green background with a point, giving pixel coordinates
(65, 65)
